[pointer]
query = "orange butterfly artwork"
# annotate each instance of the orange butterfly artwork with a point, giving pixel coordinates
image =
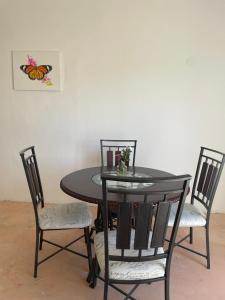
(36, 72)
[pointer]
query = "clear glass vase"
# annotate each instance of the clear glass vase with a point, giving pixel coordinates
(121, 168)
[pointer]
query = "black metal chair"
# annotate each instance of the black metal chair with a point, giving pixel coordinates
(54, 217)
(209, 169)
(138, 254)
(111, 151)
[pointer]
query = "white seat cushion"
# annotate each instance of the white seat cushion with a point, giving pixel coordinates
(128, 270)
(64, 216)
(191, 216)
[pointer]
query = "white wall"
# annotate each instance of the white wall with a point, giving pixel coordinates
(147, 69)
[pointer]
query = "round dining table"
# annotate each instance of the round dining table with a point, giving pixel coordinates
(85, 184)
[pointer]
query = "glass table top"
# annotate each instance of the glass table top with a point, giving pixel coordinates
(120, 184)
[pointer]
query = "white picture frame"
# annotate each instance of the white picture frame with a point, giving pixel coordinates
(37, 70)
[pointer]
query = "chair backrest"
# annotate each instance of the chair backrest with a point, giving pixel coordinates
(29, 160)
(145, 212)
(111, 151)
(208, 172)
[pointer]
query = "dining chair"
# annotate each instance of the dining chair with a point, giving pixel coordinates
(111, 151)
(208, 172)
(54, 217)
(138, 254)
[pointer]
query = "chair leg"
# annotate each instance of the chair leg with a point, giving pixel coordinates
(41, 240)
(92, 231)
(89, 253)
(96, 272)
(105, 290)
(191, 235)
(36, 252)
(99, 221)
(207, 247)
(167, 289)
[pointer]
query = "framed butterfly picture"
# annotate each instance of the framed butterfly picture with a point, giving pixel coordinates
(37, 70)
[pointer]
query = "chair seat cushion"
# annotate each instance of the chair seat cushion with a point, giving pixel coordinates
(64, 216)
(191, 216)
(128, 270)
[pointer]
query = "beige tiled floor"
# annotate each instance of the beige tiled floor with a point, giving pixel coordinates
(63, 277)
